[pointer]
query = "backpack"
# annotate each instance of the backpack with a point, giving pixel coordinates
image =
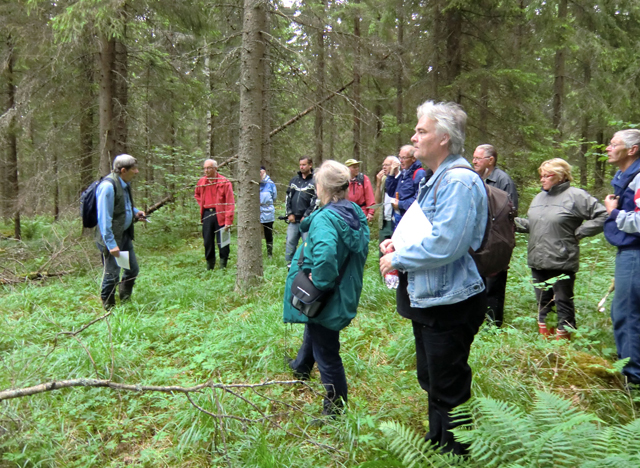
(88, 208)
(499, 239)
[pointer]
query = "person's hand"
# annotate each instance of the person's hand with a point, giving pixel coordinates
(292, 218)
(395, 168)
(385, 264)
(141, 216)
(611, 203)
(115, 251)
(369, 217)
(395, 203)
(386, 246)
(379, 176)
(302, 219)
(227, 227)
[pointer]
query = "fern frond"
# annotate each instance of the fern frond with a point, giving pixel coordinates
(414, 450)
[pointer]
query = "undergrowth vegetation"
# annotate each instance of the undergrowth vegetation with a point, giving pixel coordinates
(187, 326)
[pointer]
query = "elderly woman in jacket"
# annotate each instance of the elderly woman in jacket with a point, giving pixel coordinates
(268, 194)
(337, 233)
(559, 216)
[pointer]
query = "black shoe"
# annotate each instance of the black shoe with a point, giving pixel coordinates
(211, 265)
(297, 374)
(223, 262)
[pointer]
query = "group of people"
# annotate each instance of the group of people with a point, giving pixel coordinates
(440, 289)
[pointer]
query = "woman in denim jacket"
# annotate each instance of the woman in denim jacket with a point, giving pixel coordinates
(440, 289)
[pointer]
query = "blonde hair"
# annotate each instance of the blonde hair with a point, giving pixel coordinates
(557, 166)
(332, 180)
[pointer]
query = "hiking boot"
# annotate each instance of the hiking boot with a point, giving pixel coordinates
(211, 265)
(124, 290)
(223, 262)
(109, 303)
(544, 331)
(563, 335)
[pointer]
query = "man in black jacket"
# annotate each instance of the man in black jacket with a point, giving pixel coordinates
(300, 202)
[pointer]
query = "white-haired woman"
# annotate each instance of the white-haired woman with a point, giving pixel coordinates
(338, 240)
(559, 216)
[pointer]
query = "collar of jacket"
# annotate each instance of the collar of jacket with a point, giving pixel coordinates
(559, 188)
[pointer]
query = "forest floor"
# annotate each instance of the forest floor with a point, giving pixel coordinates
(187, 326)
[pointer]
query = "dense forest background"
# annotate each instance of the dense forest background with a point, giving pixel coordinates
(262, 83)
(253, 83)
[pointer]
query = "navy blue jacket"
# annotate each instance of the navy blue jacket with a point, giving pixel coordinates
(408, 185)
(615, 236)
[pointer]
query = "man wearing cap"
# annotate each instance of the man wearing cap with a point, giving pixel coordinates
(360, 189)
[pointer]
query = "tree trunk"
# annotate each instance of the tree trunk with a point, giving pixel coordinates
(265, 159)
(357, 119)
(121, 97)
(453, 23)
(559, 72)
(107, 85)
(599, 167)
(320, 90)
(250, 143)
(584, 146)
(86, 123)
(400, 140)
(56, 180)
(12, 143)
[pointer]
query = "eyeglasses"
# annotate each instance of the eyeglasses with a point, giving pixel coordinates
(615, 145)
(484, 157)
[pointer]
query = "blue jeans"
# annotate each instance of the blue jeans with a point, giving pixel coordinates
(625, 311)
(111, 273)
(321, 345)
(293, 236)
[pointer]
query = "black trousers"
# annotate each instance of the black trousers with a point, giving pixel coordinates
(211, 236)
(496, 288)
(268, 235)
(442, 355)
(558, 293)
(322, 346)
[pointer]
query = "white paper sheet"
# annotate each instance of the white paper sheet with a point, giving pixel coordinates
(412, 228)
(225, 237)
(123, 260)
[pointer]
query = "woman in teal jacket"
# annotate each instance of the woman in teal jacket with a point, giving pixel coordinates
(337, 233)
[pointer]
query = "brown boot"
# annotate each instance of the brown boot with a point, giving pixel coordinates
(563, 335)
(544, 331)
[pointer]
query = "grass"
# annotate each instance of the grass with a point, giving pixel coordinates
(186, 325)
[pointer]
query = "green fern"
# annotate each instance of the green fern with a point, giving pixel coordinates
(414, 450)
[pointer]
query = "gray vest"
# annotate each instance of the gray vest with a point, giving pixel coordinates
(119, 213)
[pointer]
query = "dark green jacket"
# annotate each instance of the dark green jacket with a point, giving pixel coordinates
(335, 232)
(119, 213)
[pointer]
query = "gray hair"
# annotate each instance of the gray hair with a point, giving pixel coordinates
(450, 120)
(332, 180)
(125, 161)
(630, 137)
(409, 148)
(489, 150)
(215, 163)
(393, 158)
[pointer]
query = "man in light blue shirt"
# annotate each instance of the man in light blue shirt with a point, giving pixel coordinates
(114, 234)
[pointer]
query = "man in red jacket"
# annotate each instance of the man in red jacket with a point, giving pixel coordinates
(360, 189)
(214, 194)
